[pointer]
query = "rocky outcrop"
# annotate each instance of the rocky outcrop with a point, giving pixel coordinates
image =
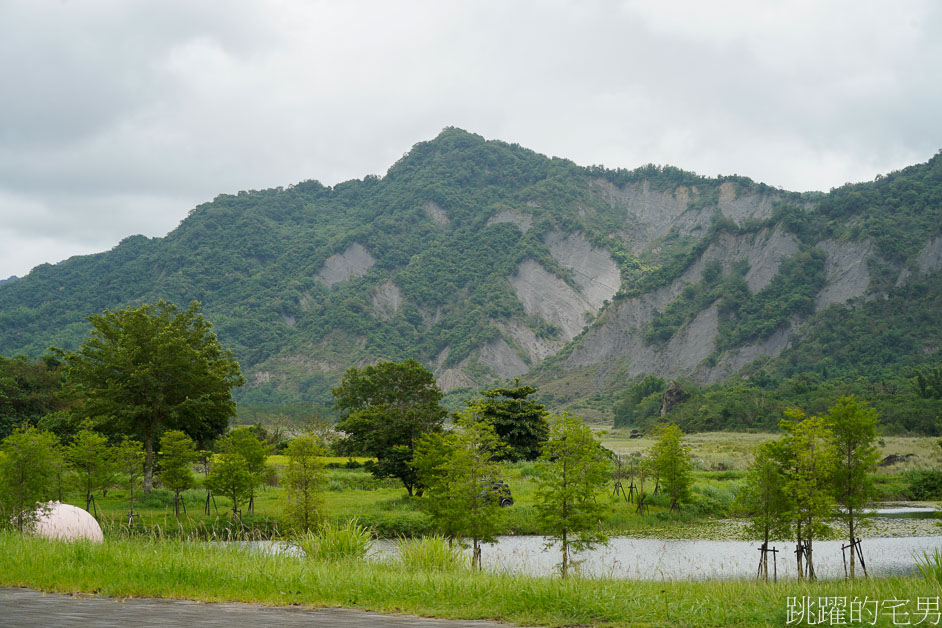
(651, 213)
(764, 252)
(593, 268)
(545, 295)
(353, 262)
(536, 348)
(386, 300)
(673, 397)
(436, 214)
(930, 258)
(846, 273)
(522, 221)
(501, 359)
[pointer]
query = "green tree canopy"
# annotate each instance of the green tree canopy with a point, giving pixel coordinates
(30, 461)
(149, 368)
(304, 482)
(573, 469)
(672, 464)
(385, 409)
(518, 421)
(244, 441)
(230, 477)
(461, 472)
(177, 453)
(854, 433)
(91, 459)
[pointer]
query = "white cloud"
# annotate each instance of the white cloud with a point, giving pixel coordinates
(119, 117)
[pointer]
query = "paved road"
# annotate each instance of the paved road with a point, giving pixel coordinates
(22, 608)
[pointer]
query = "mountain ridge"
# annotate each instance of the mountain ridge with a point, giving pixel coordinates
(488, 261)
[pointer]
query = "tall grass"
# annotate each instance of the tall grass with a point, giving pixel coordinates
(230, 572)
(431, 553)
(332, 542)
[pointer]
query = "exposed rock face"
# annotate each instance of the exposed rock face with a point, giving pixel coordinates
(845, 270)
(386, 300)
(764, 252)
(735, 360)
(436, 214)
(673, 397)
(930, 258)
(545, 295)
(501, 359)
(536, 348)
(651, 213)
(354, 262)
(593, 269)
(522, 221)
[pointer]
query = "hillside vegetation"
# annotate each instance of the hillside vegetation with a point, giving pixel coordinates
(487, 261)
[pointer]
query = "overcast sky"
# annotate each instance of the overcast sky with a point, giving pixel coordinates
(117, 118)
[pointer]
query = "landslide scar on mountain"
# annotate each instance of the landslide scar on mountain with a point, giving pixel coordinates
(353, 262)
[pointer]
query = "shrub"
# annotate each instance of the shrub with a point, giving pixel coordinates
(923, 484)
(349, 541)
(431, 553)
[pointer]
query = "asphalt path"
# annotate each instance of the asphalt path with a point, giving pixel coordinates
(21, 608)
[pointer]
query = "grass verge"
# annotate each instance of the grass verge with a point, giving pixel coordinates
(213, 573)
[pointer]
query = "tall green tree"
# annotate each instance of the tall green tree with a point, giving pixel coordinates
(572, 471)
(30, 461)
(462, 473)
(809, 463)
(146, 369)
(519, 422)
(304, 482)
(177, 454)
(385, 409)
(672, 464)
(244, 441)
(90, 458)
(853, 427)
(763, 497)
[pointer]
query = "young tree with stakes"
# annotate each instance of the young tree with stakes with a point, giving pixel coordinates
(572, 471)
(177, 453)
(129, 462)
(672, 464)
(854, 433)
(91, 460)
(462, 473)
(304, 482)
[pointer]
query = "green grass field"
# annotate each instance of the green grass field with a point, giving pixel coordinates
(720, 460)
(181, 569)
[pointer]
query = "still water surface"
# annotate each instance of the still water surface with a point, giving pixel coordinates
(656, 559)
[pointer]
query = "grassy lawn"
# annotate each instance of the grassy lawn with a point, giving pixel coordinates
(181, 569)
(720, 460)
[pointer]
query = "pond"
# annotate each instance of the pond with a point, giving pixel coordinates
(657, 559)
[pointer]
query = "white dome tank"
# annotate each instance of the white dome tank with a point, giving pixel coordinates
(68, 523)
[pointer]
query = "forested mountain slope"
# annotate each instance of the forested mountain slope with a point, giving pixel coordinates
(487, 261)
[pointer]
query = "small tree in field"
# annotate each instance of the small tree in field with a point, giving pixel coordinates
(244, 442)
(29, 464)
(573, 469)
(230, 477)
(854, 434)
(304, 482)
(672, 464)
(763, 496)
(129, 462)
(809, 462)
(463, 477)
(177, 453)
(90, 458)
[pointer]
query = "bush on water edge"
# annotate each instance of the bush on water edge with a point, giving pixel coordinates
(213, 573)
